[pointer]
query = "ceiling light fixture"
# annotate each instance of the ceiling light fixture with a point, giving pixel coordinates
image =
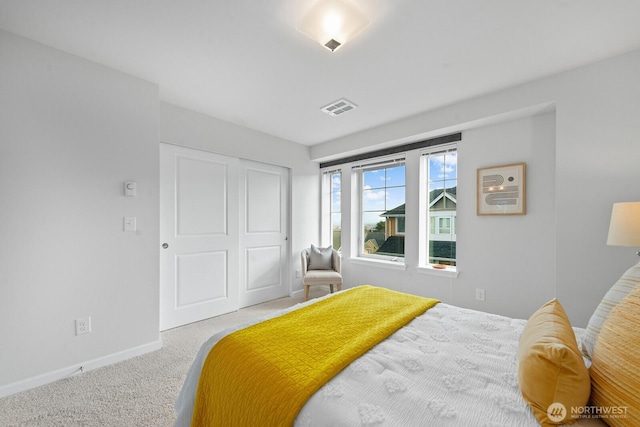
(332, 23)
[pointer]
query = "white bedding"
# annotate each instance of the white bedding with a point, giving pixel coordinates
(449, 367)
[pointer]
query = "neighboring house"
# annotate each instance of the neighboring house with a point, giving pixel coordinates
(374, 240)
(394, 232)
(442, 228)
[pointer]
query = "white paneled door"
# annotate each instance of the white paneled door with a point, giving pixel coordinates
(199, 229)
(223, 234)
(263, 232)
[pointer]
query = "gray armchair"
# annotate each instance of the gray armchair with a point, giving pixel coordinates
(321, 277)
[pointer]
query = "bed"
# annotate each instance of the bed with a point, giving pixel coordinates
(450, 366)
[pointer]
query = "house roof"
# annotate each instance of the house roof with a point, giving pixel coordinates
(450, 193)
(377, 236)
(442, 249)
(394, 245)
(434, 196)
(397, 211)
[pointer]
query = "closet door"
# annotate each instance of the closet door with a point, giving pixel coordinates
(264, 226)
(199, 235)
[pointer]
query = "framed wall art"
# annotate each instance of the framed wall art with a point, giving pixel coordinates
(501, 190)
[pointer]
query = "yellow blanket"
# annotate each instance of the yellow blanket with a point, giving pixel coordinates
(264, 374)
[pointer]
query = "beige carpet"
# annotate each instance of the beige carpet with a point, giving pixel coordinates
(137, 392)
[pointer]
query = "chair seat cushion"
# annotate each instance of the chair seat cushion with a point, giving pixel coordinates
(322, 277)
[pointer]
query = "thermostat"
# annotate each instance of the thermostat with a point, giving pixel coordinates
(130, 188)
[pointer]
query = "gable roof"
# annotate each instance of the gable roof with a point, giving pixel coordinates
(398, 211)
(437, 194)
(434, 197)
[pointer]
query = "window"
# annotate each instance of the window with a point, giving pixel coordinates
(335, 210)
(444, 226)
(441, 171)
(376, 188)
(382, 189)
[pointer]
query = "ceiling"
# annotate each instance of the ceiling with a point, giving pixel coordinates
(244, 62)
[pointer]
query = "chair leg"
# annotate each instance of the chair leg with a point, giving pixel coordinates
(339, 286)
(331, 287)
(306, 292)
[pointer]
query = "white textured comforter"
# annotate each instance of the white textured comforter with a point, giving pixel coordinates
(449, 367)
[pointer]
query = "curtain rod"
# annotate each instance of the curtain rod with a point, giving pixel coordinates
(393, 150)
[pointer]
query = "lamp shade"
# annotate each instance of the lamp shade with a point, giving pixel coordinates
(624, 229)
(332, 23)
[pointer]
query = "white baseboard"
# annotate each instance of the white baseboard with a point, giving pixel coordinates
(78, 368)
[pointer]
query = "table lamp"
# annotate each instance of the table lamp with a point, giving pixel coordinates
(624, 229)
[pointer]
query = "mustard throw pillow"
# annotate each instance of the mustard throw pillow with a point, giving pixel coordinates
(615, 369)
(551, 373)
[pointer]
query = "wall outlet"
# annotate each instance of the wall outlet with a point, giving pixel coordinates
(298, 274)
(83, 325)
(480, 294)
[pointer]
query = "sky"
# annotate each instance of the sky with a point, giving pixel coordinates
(384, 188)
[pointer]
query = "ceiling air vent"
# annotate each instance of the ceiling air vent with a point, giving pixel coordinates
(338, 107)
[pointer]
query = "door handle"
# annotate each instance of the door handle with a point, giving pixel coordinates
(165, 245)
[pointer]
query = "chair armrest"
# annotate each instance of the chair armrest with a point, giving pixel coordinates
(304, 261)
(336, 259)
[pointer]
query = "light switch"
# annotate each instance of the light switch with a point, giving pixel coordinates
(129, 223)
(130, 189)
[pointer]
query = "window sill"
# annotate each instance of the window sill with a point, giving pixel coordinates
(451, 272)
(395, 265)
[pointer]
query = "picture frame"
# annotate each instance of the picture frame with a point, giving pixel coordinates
(501, 190)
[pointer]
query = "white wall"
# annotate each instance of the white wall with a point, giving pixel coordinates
(597, 147)
(71, 132)
(511, 257)
(597, 153)
(190, 129)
